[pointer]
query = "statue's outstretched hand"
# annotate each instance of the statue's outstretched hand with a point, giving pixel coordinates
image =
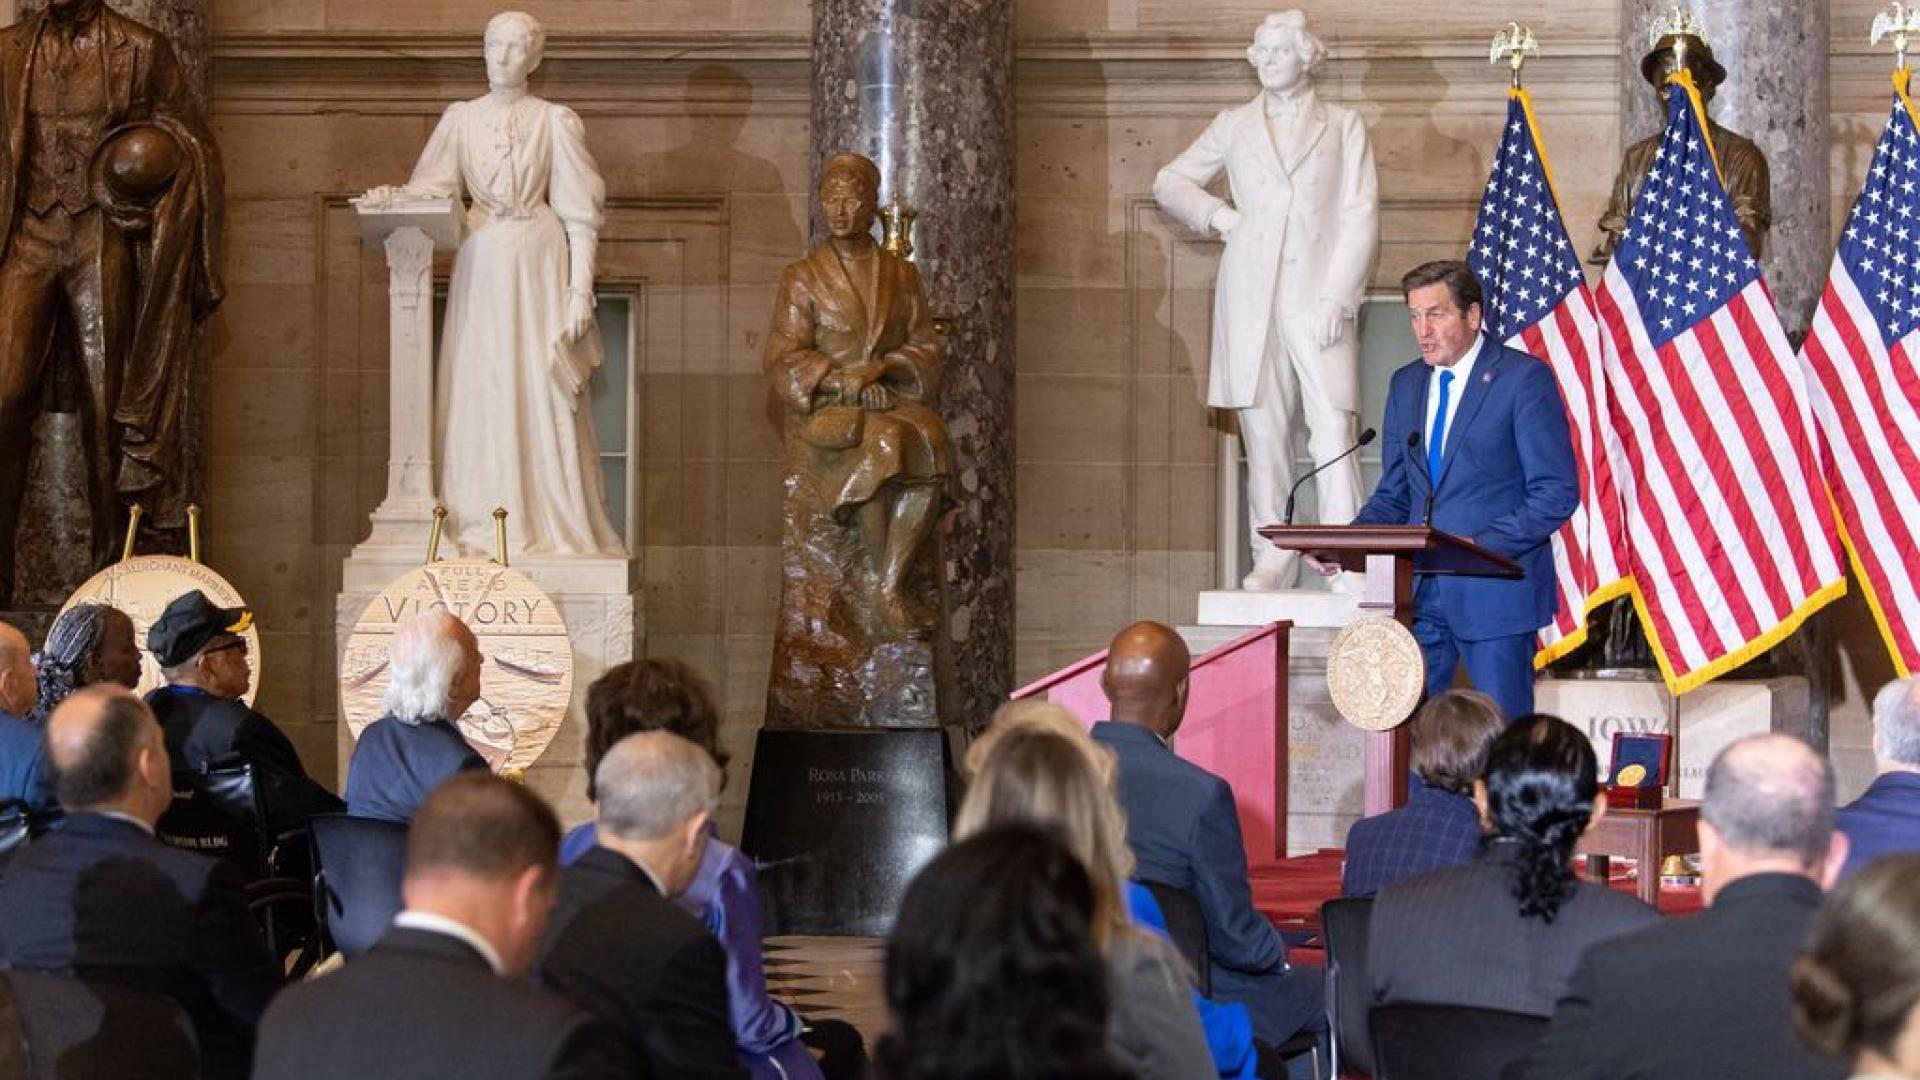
(382, 197)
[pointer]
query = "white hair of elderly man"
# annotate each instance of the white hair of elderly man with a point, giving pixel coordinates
(433, 662)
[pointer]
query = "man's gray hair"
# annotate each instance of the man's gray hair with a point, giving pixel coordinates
(1771, 795)
(652, 783)
(1896, 720)
(1293, 24)
(423, 661)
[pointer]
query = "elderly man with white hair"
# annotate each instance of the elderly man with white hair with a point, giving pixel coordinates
(618, 946)
(1886, 818)
(434, 675)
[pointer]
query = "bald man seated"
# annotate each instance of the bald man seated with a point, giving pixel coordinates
(23, 773)
(1707, 995)
(101, 897)
(1184, 832)
(433, 678)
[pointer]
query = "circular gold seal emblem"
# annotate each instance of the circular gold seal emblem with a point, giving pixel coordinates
(144, 585)
(1375, 672)
(1631, 776)
(526, 671)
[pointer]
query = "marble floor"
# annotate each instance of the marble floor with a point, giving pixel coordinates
(831, 978)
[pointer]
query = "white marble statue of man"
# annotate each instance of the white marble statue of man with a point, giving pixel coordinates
(519, 342)
(1301, 230)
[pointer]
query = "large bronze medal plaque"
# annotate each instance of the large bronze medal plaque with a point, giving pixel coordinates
(143, 586)
(526, 674)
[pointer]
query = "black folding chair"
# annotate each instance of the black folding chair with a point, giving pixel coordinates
(1187, 927)
(1343, 926)
(359, 863)
(58, 1027)
(216, 811)
(1449, 1042)
(16, 826)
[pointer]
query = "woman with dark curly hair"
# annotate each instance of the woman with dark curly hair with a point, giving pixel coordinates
(774, 1042)
(1505, 931)
(992, 972)
(1856, 988)
(87, 644)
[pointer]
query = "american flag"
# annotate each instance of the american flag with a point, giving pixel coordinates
(1863, 369)
(1537, 301)
(1730, 535)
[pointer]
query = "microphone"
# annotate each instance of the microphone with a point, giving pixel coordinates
(1413, 445)
(1365, 438)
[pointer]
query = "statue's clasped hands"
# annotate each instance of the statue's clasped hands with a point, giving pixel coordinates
(860, 385)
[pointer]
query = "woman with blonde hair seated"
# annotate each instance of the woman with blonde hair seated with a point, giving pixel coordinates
(1036, 766)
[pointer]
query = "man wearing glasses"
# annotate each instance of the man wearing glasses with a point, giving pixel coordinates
(204, 659)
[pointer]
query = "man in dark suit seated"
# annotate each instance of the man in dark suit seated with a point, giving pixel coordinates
(1185, 832)
(23, 772)
(442, 993)
(204, 658)
(619, 946)
(434, 666)
(1439, 826)
(1707, 995)
(1886, 818)
(100, 897)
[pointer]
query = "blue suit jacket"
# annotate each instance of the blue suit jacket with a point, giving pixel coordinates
(1885, 819)
(1434, 830)
(397, 765)
(1184, 832)
(1507, 482)
(23, 767)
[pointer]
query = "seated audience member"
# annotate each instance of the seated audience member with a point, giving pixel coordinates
(204, 659)
(1439, 826)
(434, 676)
(1707, 995)
(100, 897)
(992, 970)
(618, 946)
(1033, 773)
(1185, 832)
(23, 772)
(88, 644)
(1505, 931)
(1886, 818)
(772, 1039)
(1856, 988)
(441, 994)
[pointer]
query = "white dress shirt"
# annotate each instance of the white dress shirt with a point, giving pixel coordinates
(1462, 372)
(440, 924)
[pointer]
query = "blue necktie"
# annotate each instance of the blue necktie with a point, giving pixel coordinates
(1436, 445)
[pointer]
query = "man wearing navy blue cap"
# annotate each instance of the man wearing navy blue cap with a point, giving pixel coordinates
(204, 657)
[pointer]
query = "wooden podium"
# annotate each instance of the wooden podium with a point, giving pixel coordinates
(1390, 555)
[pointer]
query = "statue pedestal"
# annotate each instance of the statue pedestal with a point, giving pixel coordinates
(409, 230)
(841, 821)
(1325, 754)
(596, 601)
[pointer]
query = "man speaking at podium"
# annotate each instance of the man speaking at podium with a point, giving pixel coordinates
(1476, 445)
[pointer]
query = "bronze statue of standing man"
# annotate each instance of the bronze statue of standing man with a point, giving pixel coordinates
(109, 215)
(853, 357)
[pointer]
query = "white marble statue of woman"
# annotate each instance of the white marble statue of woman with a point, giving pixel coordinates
(519, 342)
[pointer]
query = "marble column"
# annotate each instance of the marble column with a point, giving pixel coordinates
(1775, 53)
(925, 88)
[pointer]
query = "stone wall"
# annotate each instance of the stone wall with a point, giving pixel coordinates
(697, 110)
